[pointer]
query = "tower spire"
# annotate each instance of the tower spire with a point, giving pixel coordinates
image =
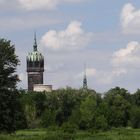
(85, 78)
(35, 42)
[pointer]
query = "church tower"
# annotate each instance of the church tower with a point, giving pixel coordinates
(35, 67)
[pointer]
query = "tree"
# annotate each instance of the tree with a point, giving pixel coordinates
(112, 93)
(8, 64)
(48, 118)
(11, 113)
(136, 98)
(119, 107)
(67, 101)
(88, 112)
(135, 117)
(40, 103)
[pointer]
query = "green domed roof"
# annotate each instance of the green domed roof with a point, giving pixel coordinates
(35, 56)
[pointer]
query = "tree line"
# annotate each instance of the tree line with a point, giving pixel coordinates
(78, 108)
(83, 109)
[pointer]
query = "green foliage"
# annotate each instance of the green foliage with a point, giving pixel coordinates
(69, 128)
(136, 98)
(8, 64)
(40, 103)
(88, 111)
(29, 109)
(11, 113)
(135, 117)
(67, 100)
(75, 117)
(84, 110)
(48, 118)
(119, 106)
(101, 123)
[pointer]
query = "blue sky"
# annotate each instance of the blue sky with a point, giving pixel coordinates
(102, 34)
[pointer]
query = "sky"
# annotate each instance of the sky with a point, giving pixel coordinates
(104, 34)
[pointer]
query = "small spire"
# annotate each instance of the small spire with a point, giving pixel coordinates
(35, 42)
(85, 78)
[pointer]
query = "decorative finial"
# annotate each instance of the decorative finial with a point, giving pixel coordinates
(35, 42)
(85, 78)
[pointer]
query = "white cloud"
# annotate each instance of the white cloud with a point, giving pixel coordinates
(72, 38)
(128, 56)
(130, 19)
(32, 5)
(38, 4)
(124, 61)
(44, 4)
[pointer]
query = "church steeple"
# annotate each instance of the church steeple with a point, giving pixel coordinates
(85, 78)
(35, 66)
(35, 42)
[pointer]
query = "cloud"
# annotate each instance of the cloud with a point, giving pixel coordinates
(38, 4)
(130, 19)
(32, 5)
(72, 38)
(123, 62)
(44, 4)
(128, 56)
(126, 59)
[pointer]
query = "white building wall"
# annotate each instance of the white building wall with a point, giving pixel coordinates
(41, 88)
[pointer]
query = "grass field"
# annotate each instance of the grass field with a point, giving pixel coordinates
(42, 134)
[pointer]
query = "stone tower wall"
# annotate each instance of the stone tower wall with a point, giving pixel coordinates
(34, 78)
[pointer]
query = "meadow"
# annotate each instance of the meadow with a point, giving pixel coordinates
(44, 134)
